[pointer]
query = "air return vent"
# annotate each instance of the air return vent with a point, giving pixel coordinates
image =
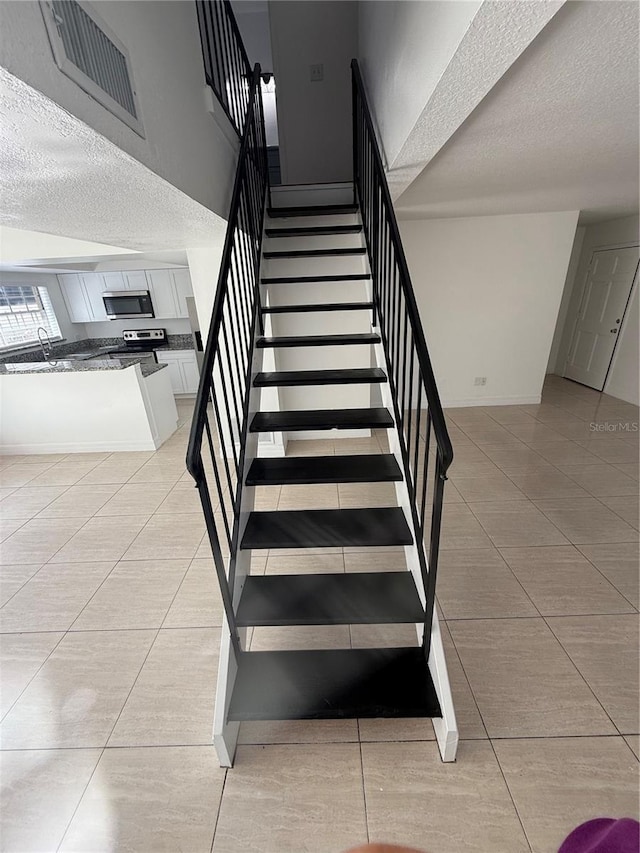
(88, 52)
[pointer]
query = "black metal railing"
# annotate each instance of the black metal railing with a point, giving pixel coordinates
(419, 417)
(226, 66)
(216, 452)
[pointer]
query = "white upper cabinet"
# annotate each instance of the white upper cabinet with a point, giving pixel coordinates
(114, 280)
(162, 294)
(169, 289)
(94, 288)
(83, 292)
(135, 280)
(182, 284)
(74, 295)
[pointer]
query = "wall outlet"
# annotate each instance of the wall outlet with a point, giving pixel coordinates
(316, 73)
(480, 380)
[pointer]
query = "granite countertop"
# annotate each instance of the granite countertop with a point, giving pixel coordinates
(66, 366)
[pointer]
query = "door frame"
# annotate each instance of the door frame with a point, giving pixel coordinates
(635, 244)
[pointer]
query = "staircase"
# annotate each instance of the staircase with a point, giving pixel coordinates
(315, 333)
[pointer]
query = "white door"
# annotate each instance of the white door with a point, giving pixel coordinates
(190, 375)
(75, 298)
(604, 301)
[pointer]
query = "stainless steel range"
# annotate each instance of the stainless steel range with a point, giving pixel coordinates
(139, 343)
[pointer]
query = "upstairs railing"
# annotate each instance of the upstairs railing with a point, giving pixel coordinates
(215, 456)
(425, 445)
(226, 66)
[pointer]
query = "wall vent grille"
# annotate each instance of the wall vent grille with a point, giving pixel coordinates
(86, 51)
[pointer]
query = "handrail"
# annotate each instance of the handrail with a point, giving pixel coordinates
(226, 66)
(409, 369)
(225, 378)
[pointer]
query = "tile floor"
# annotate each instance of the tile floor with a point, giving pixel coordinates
(109, 633)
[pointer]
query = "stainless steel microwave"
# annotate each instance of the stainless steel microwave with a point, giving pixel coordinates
(127, 304)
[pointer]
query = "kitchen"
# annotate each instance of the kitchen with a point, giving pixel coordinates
(116, 348)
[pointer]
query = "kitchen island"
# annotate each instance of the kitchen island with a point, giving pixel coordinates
(69, 406)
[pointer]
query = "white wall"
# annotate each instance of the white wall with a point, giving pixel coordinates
(314, 119)
(183, 143)
(70, 331)
(576, 252)
(614, 232)
(488, 290)
(403, 49)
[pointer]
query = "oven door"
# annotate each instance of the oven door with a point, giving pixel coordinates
(128, 304)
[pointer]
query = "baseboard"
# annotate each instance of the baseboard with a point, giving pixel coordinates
(78, 447)
(491, 401)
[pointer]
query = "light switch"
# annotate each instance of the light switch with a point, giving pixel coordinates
(316, 73)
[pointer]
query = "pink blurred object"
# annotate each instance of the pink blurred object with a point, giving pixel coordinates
(604, 835)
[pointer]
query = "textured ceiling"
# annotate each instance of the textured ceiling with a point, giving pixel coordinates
(61, 177)
(558, 132)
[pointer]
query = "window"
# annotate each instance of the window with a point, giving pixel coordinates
(86, 50)
(24, 308)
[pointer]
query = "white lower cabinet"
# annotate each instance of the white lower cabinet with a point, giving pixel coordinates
(183, 370)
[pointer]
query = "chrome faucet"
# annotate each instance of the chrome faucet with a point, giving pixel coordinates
(45, 343)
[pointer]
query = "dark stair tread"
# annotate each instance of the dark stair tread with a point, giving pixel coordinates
(352, 376)
(327, 528)
(318, 210)
(306, 279)
(314, 253)
(333, 684)
(318, 340)
(318, 306)
(317, 231)
(299, 470)
(322, 419)
(360, 598)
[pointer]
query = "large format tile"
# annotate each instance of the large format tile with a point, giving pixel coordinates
(76, 697)
(324, 496)
(298, 564)
(470, 725)
(198, 603)
(135, 499)
(561, 581)
(79, 502)
(20, 475)
(541, 482)
(587, 521)
(64, 474)
(489, 487)
(625, 507)
(619, 563)
(149, 800)
(173, 698)
(560, 783)
(102, 539)
(298, 731)
(13, 578)
(300, 637)
(28, 501)
(605, 650)
(136, 594)
(39, 540)
(288, 799)
(516, 523)
(168, 537)
(21, 656)
(461, 529)
(600, 480)
(524, 682)
(53, 598)
(413, 798)
(40, 792)
(478, 584)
